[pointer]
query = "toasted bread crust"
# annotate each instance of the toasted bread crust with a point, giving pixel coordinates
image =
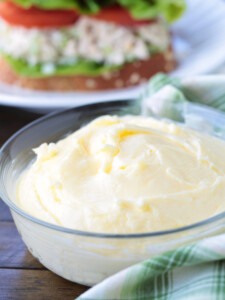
(130, 74)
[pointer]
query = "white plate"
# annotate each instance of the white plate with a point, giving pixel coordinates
(199, 43)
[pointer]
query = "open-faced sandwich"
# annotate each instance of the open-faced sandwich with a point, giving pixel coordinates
(85, 44)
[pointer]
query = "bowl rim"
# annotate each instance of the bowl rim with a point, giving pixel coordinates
(84, 233)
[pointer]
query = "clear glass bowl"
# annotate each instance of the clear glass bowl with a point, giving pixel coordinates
(83, 257)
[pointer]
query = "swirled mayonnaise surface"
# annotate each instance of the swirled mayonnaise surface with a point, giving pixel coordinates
(126, 175)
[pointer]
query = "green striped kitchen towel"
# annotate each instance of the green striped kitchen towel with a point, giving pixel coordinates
(208, 90)
(195, 271)
(191, 272)
(199, 102)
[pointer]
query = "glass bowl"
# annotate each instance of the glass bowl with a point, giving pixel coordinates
(83, 257)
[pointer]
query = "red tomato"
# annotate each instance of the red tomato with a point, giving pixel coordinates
(118, 15)
(35, 17)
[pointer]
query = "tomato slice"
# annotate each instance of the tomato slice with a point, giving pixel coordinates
(35, 17)
(118, 15)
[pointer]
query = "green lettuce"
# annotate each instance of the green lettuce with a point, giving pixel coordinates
(80, 67)
(139, 9)
(171, 10)
(84, 6)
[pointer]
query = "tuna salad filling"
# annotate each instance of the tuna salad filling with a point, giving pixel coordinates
(89, 47)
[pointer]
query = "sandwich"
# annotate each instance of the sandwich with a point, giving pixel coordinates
(85, 45)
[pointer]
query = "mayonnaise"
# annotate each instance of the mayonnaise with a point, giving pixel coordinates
(126, 175)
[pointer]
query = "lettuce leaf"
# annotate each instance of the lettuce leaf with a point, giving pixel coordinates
(139, 9)
(171, 10)
(81, 67)
(84, 6)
